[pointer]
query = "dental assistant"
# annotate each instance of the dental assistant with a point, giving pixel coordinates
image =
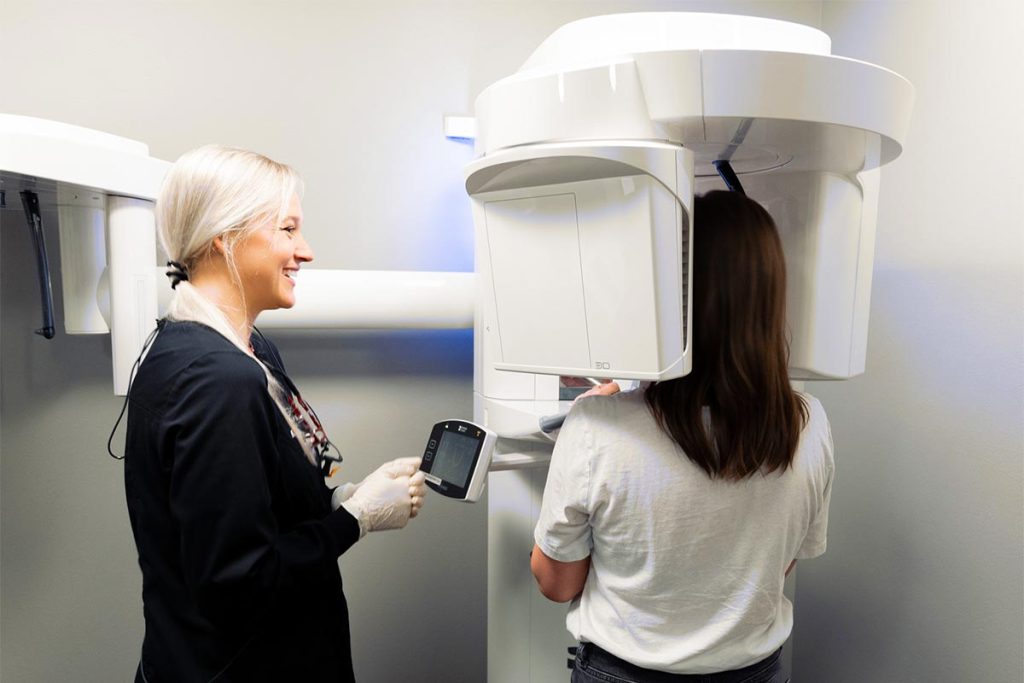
(238, 534)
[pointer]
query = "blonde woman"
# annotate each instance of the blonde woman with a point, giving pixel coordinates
(237, 532)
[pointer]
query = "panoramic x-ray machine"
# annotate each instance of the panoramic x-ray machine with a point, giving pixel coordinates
(582, 197)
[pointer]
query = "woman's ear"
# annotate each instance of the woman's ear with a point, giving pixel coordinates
(218, 245)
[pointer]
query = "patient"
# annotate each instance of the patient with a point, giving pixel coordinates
(672, 513)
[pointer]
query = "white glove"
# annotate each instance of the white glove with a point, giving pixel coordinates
(342, 493)
(410, 467)
(399, 467)
(380, 504)
(417, 491)
(389, 497)
(391, 469)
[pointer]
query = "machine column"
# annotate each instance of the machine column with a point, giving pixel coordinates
(131, 245)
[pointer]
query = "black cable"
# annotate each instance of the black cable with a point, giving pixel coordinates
(127, 393)
(30, 202)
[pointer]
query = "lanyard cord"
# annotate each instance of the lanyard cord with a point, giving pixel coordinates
(322, 445)
(131, 379)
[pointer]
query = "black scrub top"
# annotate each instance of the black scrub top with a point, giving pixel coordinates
(237, 541)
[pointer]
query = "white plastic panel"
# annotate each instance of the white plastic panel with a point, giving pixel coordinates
(583, 278)
(672, 225)
(869, 182)
(526, 635)
(617, 251)
(131, 243)
(537, 279)
(596, 103)
(82, 218)
(596, 38)
(827, 227)
(825, 277)
(672, 76)
(78, 156)
(813, 89)
(573, 269)
(673, 91)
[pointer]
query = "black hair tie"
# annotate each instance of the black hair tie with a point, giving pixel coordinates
(176, 272)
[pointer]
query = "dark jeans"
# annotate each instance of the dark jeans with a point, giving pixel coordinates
(594, 665)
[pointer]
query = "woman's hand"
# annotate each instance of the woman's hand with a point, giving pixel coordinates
(389, 497)
(604, 389)
(390, 470)
(398, 468)
(417, 491)
(380, 503)
(406, 467)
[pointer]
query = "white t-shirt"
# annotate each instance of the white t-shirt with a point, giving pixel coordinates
(686, 572)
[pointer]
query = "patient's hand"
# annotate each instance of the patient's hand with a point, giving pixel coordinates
(604, 389)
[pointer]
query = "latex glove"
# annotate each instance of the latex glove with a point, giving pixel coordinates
(381, 503)
(391, 469)
(399, 467)
(409, 467)
(417, 491)
(342, 493)
(406, 467)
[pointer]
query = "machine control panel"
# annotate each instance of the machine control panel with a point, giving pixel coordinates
(457, 458)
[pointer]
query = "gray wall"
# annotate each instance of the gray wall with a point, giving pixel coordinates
(353, 95)
(922, 580)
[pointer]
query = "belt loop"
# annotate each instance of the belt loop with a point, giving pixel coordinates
(583, 654)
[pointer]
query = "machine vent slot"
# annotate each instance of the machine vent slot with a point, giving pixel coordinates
(685, 297)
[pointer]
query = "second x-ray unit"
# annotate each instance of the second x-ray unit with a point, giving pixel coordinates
(582, 200)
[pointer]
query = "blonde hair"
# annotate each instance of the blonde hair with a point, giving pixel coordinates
(217, 191)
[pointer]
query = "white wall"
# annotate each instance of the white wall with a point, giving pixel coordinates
(923, 580)
(352, 94)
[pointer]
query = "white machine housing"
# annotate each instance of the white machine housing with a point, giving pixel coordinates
(582, 198)
(103, 187)
(577, 243)
(564, 218)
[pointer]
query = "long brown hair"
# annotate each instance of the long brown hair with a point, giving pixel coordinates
(735, 414)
